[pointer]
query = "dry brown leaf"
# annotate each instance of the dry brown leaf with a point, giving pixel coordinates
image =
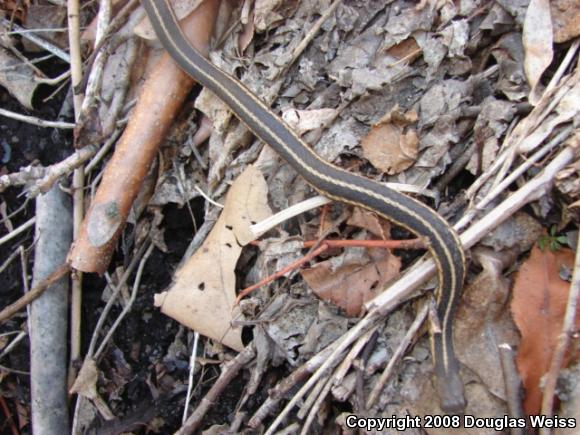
(391, 145)
(355, 280)
(248, 28)
(538, 307)
(406, 50)
(86, 385)
(351, 285)
(371, 222)
(203, 293)
(537, 38)
(566, 19)
(45, 16)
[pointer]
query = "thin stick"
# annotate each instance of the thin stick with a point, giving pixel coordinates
(35, 121)
(129, 304)
(294, 265)
(311, 34)
(62, 168)
(283, 387)
(335, 379)
(76, 71)
(34, 292)
(229, 372)
(302, 207)
(192, 360)
(51, 48)
(17, 231)
(399, 352)
(9, 260)
(419, 243)
(350, 337)
(513, 176)
(13, 343)
(568, 329)
(513, 385)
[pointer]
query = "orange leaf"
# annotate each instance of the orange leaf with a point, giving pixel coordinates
(538, 307)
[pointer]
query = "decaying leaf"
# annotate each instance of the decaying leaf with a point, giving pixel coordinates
(352, 284)
(508, 52)
(18, 78)
(203, 293)
(538, 307)
(358, 275)
(491, 124)
(565, 19)
(265, 14)
(391, 145)
(483, 320)
(537, 36)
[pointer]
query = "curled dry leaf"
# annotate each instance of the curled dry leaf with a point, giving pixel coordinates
(405, 51)
(537, 37)
(538, 307)
(391, 145)
(203, 293)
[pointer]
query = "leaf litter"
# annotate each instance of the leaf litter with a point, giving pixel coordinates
(401, 93)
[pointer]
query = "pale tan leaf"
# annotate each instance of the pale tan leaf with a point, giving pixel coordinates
(302, 121)
(203, 294)
(537, 38)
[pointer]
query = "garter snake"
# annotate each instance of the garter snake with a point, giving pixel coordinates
(338, 184)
